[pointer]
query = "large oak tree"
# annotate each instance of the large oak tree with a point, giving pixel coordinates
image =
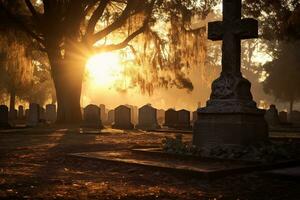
(70, 31)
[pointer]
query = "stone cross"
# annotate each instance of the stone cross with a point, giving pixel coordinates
(232, 30)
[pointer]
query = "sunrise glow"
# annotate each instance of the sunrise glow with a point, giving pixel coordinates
(104, 69)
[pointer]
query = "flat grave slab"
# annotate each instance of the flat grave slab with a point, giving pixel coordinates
(290, 173)
(187, 165)
(285, 136)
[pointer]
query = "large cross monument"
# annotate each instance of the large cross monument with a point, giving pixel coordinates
(231, 117)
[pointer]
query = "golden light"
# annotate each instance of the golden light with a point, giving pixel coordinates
(104, 69)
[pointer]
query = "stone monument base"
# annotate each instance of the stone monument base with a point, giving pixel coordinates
(229, 126)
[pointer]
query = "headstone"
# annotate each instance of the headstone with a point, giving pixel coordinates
(161, 116)
(111, 117)
(230, 117)
(283, 117)
(51, 113)
(147, 118)
(27, 114)
(33, 115)
(20, 112)
(92, 117)
(4, 117)
(295, 117)
(122, 118)
(184, 119)
(272, 117)
(13, 114)
(171, 118)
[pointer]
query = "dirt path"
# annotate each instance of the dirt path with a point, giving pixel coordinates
(34, 165)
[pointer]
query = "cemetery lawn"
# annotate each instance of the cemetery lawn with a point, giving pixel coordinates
(34, 164)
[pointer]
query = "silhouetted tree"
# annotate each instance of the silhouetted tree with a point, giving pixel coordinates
(283, 75)
(279, 19)
(15, 65)
(69, 31)
(279, 24)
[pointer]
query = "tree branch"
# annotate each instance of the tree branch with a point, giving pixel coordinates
(31, 9)
(116, 24)
(124, 43)
(21, 24)
(95, 17)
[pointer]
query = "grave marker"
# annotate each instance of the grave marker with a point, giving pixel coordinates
(230, 117)
(123, 118)
(147, 118)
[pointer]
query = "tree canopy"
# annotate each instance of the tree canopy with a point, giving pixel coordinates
(283, 75)
(70, 31)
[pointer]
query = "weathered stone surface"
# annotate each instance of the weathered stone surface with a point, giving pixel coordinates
(20, 112)
(4, 117)
(51, 113)
(171, 118)
(295, 117)
(33, 115)
(123, 118)
(213, 129)
(283, 117)
(272, 117)
(92, 117)
(184, 119)
(231, 116)
(147, 118)
(13, 115)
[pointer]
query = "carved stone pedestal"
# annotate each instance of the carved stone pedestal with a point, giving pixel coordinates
(231, 116)
(229, 128)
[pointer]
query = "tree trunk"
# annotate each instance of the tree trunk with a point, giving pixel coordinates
(12, 100)
(67, 77)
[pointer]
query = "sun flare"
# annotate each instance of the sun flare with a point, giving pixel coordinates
(104, 69)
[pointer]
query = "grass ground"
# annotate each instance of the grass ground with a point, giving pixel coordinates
(34, 165)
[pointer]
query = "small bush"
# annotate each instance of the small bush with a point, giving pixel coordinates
(262, 152)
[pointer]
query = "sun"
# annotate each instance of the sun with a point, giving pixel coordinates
(104, 69)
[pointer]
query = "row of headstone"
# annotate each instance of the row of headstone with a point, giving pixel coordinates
(149, 118)
(37, 114)
(4, 117)
(33, 116)
(275, 118)
(177, 119)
